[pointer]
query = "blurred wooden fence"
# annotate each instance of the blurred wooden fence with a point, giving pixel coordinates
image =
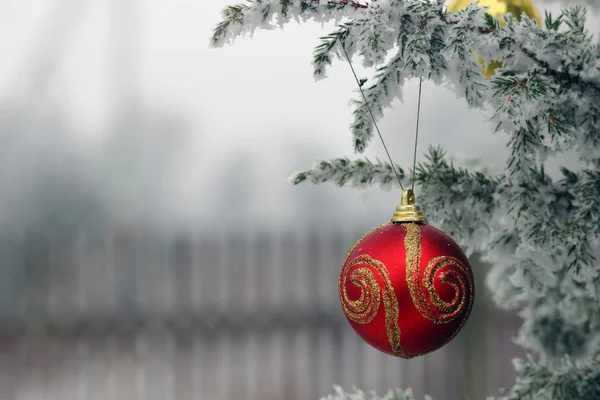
(135, 315)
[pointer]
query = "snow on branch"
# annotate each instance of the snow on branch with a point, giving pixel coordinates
(397, 394)
(420, 39)
(242, 19)
(357, 173)
(569, 380)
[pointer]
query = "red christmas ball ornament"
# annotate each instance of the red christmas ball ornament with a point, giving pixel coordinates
(406, 287)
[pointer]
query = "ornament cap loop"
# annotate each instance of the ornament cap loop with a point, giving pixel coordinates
(408, 210)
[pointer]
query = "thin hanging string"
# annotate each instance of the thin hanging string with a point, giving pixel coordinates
(377, 127)
(372, 117)
(417, 134)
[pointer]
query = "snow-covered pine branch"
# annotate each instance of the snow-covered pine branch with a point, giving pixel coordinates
(427, 41)
(244, 19)
(396, 394)
(357, 173)
(569, 380)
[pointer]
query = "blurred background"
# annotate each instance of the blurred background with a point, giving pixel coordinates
(151, 246)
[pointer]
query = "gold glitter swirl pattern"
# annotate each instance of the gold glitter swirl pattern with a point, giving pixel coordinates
(436, 309)
(364, 309)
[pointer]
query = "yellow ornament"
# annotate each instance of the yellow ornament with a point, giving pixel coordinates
(496, 9)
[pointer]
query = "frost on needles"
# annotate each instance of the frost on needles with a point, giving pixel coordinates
(540, 235)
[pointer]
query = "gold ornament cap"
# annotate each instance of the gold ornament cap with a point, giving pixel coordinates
(407, 210)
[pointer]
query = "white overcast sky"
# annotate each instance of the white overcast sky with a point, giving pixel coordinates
(256, 98)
